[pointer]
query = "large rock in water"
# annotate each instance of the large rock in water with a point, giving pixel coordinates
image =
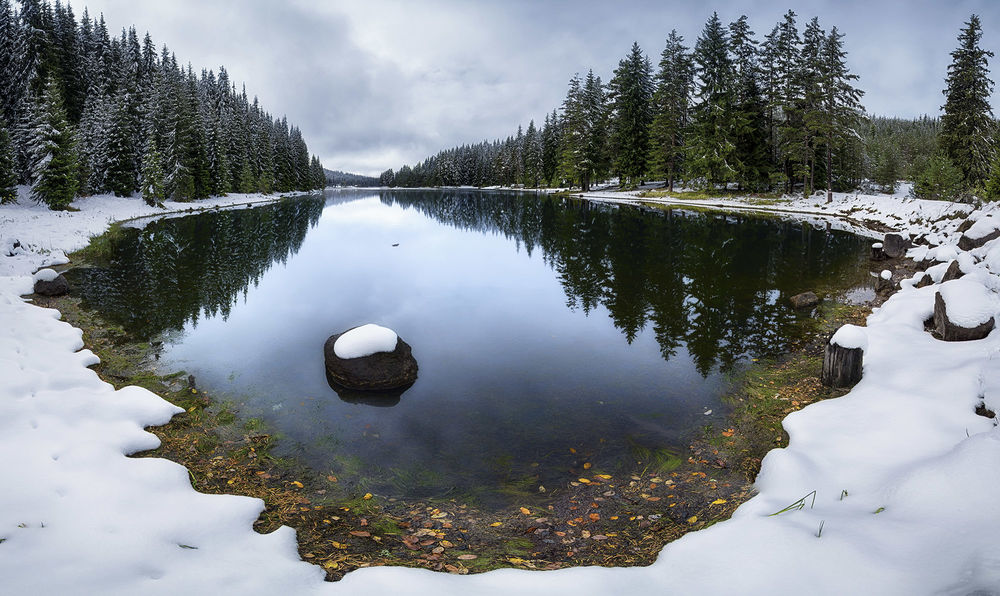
(804, 300)
(50, 283)
(358, 368)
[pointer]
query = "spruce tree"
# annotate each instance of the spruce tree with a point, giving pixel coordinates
(153, 191)
(841, 110)
(671, 109)
(711, 146)
(532, 156)
(8, 167)
(550, 148)
(752, 152)
(630, 93)
(967, 125)
(54, 171)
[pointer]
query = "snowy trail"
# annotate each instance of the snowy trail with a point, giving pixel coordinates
(918, 465)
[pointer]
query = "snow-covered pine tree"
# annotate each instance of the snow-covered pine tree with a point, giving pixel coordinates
(630, 93)
(11, 87)
(967, 126)
(711, 146)
(550, 147)
(785, 94)
(671, 109)
(122, 177)
(532, 157)
(8, 167)
(54, 164)
(153, 191)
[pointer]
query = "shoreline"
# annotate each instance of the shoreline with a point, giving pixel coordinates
(682, 550)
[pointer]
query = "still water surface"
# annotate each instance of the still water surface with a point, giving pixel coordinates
(548, 332)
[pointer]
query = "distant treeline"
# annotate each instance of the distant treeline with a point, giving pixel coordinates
(734, 113)
(84, 112)
(338, 178)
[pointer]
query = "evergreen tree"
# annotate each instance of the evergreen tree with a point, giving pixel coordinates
(939, 180)
(671, 106)
(8, 167)
(54, 172)
(711, 147)
(785, 94)
(967, 125)
(550, 148)
(532, 156)
(630, 93)
(752, 152)
(841, 109)
(153, 191)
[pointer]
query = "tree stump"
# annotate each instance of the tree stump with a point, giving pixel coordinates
(842, 359)
(878, 253)
(949, 331)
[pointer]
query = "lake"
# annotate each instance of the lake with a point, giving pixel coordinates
(550, 333)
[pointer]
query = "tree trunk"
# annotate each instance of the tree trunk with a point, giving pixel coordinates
(829, 173)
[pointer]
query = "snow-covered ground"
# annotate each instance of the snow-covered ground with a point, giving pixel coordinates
(903, 472)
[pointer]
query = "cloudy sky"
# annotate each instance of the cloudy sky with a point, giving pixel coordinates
(377, 83)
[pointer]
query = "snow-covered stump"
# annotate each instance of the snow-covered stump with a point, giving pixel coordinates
(878, 252)
(895, 246)
(963, 311)
(842, 359)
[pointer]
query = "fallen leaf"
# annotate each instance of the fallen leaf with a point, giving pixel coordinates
(594, 517)
(604, 476)
(331, 478)
(692, 519)
(467, 557)
(654, 499)
(583, 480)
(296, 483)
(718, 502)
(338, 545)
(585, 533)
(447, 544)
(587, 465)
(728, 432)
(495, 524)
(525, 511)
(360, 533)
(366, 497)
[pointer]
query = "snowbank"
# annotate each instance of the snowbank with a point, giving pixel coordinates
(364, 341)
(968, 302)
(850, 337)
(902, 468)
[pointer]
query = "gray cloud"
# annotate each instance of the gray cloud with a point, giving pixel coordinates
(379, 83)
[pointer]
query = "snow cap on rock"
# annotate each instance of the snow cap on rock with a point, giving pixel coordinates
(364, 341)
(886, 274)
(45, 275)
(850, 337)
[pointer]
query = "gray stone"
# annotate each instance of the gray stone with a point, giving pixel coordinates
(804, 300)
(924, 281)
(967, 243)
(953, 272)
(57, 287)
(895, 246)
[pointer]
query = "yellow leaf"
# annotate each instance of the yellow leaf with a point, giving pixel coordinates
(587, 465)
(525, 511)
(194, 391)
(692, 519)
(367, 496)
(718, 502)
(331, 478)
(604, 476)
(571, 450)
(495, 524)
(583, 480)
(297, 483)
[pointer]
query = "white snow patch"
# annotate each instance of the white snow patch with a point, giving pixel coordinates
(877, 245)
(984, 226)
(968, 303)
(886, 274)
(364, 341)
(850, 337)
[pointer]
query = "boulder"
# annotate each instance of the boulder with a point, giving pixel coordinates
(967, 323)
(924, 281)
(378, 371)
(954, 272)
(804, 300)
(895, 246)
(50, 283)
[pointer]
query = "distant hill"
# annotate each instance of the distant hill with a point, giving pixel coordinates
(338, 178)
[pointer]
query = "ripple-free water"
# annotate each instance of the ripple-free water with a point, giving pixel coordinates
(549, 332)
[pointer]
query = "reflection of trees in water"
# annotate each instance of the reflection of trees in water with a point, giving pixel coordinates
(179, 269)
(717, 284)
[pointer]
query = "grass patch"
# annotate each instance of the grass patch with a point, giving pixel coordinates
(767, 198)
